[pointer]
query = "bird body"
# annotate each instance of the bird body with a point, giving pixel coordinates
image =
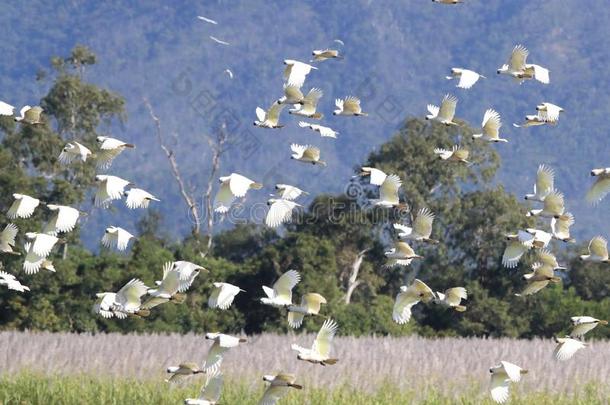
(169, 288)
(455, 154)
(349, 106)
(30, 115)
(127, 301)
(466, 78)
(288, 192)
(292, 95)
(401, 254)
(182, 370)
(110, 148)
(560, 227)
(231, 187)
(280, 295)
(223, 295)
(408, 297)
(518, 68)
(109, 188)
(420, 229)
(309, 104)
(138, 198)
(452, 298)
(583, 324)
(553, 206)
(116, 237)
(310, 305)
(269, 118)
(542, 275)
(598, 250)
(320, 55)
(322, 345)
(491, 127)
(306, 154)
(545, 184)
(445, 113)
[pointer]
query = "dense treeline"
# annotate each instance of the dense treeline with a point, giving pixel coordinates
(337, 243)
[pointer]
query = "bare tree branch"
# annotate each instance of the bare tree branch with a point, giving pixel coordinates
(353, 282)
(217, 147)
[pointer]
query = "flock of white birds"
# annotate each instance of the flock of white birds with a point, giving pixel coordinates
(136, 299)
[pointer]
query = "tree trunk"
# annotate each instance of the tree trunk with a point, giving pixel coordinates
(353, 282)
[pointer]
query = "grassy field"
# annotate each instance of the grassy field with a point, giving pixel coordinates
(37, 368)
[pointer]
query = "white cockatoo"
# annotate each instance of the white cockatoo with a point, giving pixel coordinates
(445, 113)
(169, 288)
(567, 347)
(295, 72)
(322, 346)
(74, 151)
(218, 40)
(408, 297)
(388, 186)
(63, 220)
(534, 120)
(466, 78)
(30, 115)
(269, 118)
(518, 68)
(501, 377)
(188, 270)
(223, 295)
(279, 385)
(110, 148)
(601, 187)
(138, 198)
(320, 55)
(561, 227)
(521, 242)
(349, 106)
(322, 130)
(210, 391)
(541, 276)
(420, 229)
(183, 370)
(401, 254)
(306, 154)
(116, 237)
(280, 295)
(231, 187)
(206, 19)
(22, 207)
(280, 211)
(127, 301)
(41, 243)
(456, 154)
(553, 206)
(583, 324)
(452, 298)
(222, 343)
(550, 111)
(547, 258)
(6, 109)
(33, 262)
(491, 127)
(109, 188)
(545, 184)
(288, 192)
(292, 95)
(309, 105)
(12, 283)
(310, 305)
(598, 250)
(7, 239)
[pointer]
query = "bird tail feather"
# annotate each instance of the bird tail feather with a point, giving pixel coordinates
(256, 186)
(460, 308)
(297, 386)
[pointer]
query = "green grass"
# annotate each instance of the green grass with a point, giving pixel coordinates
(37, 389)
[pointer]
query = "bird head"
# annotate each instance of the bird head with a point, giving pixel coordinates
(299, 357)
(268, 378)
(491, 370)
(211, 335)
(498, 71)
(100, 139)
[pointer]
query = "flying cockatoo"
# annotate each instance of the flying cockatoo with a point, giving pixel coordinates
(110, 148)
(169, 288)
(553, 206)
(408, 297)
(322, 130)
(109, 188)
(401, 254)
(567, 347)
(501, 377)
(7, 239)
(491, 127)
(127, 301)
(288, 192)
(183, 370)
(534, 120)
(517, 245)
(218, 40)
(518, 68)
(206, 19)
(583, 324)
(116, 237)
(306, 154)
(388, 186)
(308, 106)
(545, 184)
(321, 348)
(455, 154)
(550, 111)
(466, 78)
(223, 295)
(63, 220)
(310, 305)
(601, 187)
(292, 95)
(280, 295)
(41, 244)
(210, 391)
(540, 239)
(6, 109)
(542, 275)
(138, 198)
(231, 187)
(188, 270)
(22, 207)
(598, 250)
(12, 283)
(222, 343)
(74, 150)
(30, 115)
(295, 72)
(445, 113)
(420, 229)
(279, 386)
(452, 298)
(280, 211)
(350, 105)
(561, 227)
(320, 55)
(547, 258)
(269, 118)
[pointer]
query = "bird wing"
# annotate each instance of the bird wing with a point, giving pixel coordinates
(296, 75)
(23, 207)
(7, 237)
(122, 239)
(239, 185)
(554, 203)
(109, 239)
(567, 348)
(312, 301)
(546, 257)
(377, 177)
(453, 296)
(312, 153)
(388, 191)
(352, 105)
(513, 252)
(552, 111)
(405, 300)
(545, 180)
(152, 302)
(214, 358)
(598, 190)
(225, 295)
(66, 219)
(423, 222)
(129, 295)
(284, 285)
(542, 75)
(33, 114)
(599, 246)
(534, 286)
(43, 244)
(518, 58)
(492, 123)
(467, 79)
(460, 152)
(433, 110)
(424, 292)
(279, 212)
(223, 198)
(323, 343)
(115, 186)
(299, 150)
(312, 98)
(260, 114)
(561, 227)
(499, 386)
(326, 131)
(339, 104)
(273, 394)
(6, 109)
(448, 105)
(212, 389)
(289, 192)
